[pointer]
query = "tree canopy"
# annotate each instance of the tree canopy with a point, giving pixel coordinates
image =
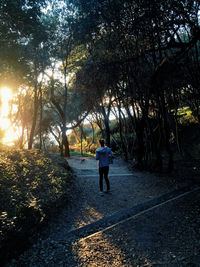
(135, 60)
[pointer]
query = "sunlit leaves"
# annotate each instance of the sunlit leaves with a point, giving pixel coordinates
(28, 180)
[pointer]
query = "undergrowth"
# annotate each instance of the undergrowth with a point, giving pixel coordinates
(31, 183)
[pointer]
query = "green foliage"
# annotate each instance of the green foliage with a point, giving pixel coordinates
(186, 116)
(19, 23)
(138, 58)
(30, 184)
(87, 147)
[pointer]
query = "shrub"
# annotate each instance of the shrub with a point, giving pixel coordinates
(31, 183)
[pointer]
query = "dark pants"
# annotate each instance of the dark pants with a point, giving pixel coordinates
(103, 172)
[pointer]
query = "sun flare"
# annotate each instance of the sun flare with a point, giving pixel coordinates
(5, 123)
(6, 95)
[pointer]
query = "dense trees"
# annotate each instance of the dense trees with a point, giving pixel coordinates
(136, 60)
(19, 21)
(150, 49)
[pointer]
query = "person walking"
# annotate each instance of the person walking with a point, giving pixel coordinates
(104, 155)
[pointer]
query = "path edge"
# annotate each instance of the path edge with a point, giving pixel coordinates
(122, 216)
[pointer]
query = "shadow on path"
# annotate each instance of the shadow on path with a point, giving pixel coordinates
(133, 233)
(166, 235)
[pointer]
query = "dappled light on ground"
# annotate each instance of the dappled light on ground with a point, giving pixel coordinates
(88, 215)
(164, 234)
(167, 235)
(98, 252)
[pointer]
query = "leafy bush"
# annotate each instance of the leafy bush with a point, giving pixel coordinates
(31, 183)
(186, 116)
(92, 148)
(87, 146)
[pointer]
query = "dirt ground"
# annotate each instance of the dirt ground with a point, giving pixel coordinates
(128, 189)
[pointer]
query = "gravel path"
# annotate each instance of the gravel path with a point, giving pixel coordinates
(167, 235)
(127, 189)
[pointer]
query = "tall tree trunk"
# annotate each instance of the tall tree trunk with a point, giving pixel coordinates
(35, 112)
(167, 135)
(41, 115)
(157, 141)
(92, 131)
(107, 131)
(140, 141)
(121, 134)
(82, 131)
(65, 142)
(106, 124)
(139, 130)
(66, 145)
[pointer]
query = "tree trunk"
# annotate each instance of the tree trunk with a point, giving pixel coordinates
(92, 131)
(107, 131)
(121, 134)
(82, 132)
(106, 124)
(157, 142)
(140, 141)
(81, 144)
(35, 112)
(66, 147)
(65, 144)
(167, 135)
(41, 116)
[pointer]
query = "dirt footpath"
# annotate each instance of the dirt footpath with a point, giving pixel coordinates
(167, 235)
(128, 189)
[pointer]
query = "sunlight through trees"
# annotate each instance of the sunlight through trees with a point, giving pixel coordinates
(130, 67)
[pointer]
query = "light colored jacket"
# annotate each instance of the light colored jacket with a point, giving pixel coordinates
(102, 155)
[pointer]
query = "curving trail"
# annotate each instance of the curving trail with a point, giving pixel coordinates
(128, 189)
(64, 244)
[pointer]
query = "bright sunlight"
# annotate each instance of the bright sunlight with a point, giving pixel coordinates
(5, 124)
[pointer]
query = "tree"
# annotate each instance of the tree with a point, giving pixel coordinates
(18, 20)
(144, 43)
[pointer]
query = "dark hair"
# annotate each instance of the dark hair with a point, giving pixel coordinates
(101, 142)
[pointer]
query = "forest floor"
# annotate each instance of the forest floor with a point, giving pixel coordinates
(137, 224)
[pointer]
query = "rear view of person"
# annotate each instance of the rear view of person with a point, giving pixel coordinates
(103, 155)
